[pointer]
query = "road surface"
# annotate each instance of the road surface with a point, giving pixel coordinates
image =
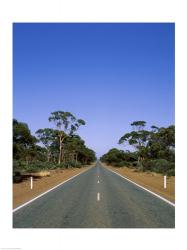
(96, 198)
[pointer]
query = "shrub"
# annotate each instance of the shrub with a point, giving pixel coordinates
(171, 169)
(61, 165)
(135, 164)
(118, 164)
(70, 164)
(171, 172)
(121, 164)
(147, 165)
(38, 166)
(160, 165)
(19, 165)
(17, 177)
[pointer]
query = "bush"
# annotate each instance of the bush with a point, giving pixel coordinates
(33, 166)
(171, 172)
(134, 164)
(74, 164)
(171, 169)
(121, 164)
(147, 165)
(17, 177)
(70, 164)
(19, 165)
(159, 166)
(118, 164)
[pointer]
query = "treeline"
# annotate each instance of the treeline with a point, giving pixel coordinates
(50, 148)
(154, 149)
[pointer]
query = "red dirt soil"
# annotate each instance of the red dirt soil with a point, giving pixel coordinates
(23, 193)
(150, 180)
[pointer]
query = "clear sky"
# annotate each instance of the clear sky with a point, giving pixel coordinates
(107, 74)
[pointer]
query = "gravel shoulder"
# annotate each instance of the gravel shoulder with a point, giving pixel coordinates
(149, 180)
(23, 193)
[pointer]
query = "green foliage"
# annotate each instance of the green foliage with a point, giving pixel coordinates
(30, 157)
(65, 121)
(70, 164)
(19, 165)
(66, 124)
(23, 141)
(155, 149)
(138, 125)
(119, 158)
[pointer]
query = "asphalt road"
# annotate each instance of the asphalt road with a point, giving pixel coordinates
(96, 198)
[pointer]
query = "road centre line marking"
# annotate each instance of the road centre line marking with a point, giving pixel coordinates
(42, 194)
(158, 196)
(98, 181)
(98, 196)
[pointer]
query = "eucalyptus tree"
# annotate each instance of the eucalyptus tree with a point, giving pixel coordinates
(74, 143)
(138, 125)
(138, 138)
(66, 124)
(162, 143)
(47, 136)
(23, 141)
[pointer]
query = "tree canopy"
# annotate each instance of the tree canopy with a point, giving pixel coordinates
(59, 147)
(154, 149)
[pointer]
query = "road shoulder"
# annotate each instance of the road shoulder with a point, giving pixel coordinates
(151, 181)
(22, 192)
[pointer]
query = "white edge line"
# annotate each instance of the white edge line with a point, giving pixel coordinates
(98, 196)
(158, 196)
(28, 202)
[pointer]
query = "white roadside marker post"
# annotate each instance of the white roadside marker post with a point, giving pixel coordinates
(165, 184)
(31, 182)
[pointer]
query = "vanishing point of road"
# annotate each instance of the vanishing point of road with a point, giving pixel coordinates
(97, 198)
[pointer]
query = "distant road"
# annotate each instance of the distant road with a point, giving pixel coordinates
(96, 198)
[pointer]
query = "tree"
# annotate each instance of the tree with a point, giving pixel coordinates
(162, 143)
(47, 136)
(23, 142)
(137, 138)
(66, 124)
(118, 157)
(138, 125)
(73, 145)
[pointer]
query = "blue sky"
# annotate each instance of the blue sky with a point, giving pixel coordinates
(107, 74)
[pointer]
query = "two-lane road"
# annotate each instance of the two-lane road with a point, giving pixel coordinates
(96, 198)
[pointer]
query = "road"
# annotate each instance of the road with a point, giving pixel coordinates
(96, 198)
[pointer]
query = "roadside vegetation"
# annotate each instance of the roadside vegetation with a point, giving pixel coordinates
(154, 149)
(50, 148)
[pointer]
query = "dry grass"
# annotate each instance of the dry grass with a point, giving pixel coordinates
(39, 174)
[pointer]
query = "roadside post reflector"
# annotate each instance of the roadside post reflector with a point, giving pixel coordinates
(165, 181)
(31, 182)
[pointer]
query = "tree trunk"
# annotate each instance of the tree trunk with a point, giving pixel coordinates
(27, 160)
(48, 155)
(60, 152)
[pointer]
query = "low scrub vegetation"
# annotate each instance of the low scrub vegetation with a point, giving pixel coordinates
(154, 149)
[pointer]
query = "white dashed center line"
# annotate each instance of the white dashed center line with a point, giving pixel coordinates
(98, 196)
(98, 181)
